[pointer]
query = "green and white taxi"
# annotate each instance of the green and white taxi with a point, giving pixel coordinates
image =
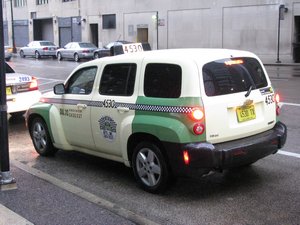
(165, 113)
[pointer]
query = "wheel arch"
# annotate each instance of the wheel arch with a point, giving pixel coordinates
(137, 138)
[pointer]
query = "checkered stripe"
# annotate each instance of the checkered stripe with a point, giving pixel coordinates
(138, 107)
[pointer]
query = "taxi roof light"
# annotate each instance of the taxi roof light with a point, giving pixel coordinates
(33, 84)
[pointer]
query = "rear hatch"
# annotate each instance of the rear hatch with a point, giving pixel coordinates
(238, 99)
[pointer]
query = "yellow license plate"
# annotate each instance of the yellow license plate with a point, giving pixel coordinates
(8, 91)
(245, 113)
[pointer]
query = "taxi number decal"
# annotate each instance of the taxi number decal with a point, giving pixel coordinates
(269, 99)
(108, 103)
(24, 79)
(132, 48)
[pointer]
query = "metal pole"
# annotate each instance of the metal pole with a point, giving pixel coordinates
(13, 29)
(6, 180)
(157, 24)
(280, 15)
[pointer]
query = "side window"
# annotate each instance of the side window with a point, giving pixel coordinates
(118, 79)
(162, 80)
(82, 81)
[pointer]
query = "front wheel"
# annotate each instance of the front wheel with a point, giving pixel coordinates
(96, 55)
(22, 54)
(41, 138)
(150, 167)
(59, 56)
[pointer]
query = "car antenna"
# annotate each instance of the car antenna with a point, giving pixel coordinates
(119, 37)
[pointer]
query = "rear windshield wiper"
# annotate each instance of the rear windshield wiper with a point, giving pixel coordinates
(249, 91)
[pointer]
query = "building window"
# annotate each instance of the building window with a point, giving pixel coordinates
(109, 21)
(41, 2)
(20, 3)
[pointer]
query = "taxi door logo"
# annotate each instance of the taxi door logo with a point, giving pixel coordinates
(108, 128)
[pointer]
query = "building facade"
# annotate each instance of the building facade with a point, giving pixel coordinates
(269, 28)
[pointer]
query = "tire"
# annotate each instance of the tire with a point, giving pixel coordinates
(37, 55)
(76, 57)
(59, 57)
(41, 138)
(96, 55)
(22, 54)
(150, 168)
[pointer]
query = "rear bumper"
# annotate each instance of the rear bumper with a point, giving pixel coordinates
(205, 157)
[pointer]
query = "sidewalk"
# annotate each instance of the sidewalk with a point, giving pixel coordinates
(37, 201)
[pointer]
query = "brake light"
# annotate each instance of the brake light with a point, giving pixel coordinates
(33, 84)
(197, 114)
(85, 51)
(277, 100)
(45, 48)
(233, 62)
(186, 157)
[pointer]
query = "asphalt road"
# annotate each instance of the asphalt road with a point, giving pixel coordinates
(268, 192)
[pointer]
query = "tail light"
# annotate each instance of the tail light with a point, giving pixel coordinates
(277, 100)
(45, 48)
(85, 51)
(186, 157)
(33, 84)
(197, 115)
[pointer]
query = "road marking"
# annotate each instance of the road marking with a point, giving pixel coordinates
(296, 155)
(125, 213)
(291, 104)
(41, 78)
(49, 82)
(9, 217)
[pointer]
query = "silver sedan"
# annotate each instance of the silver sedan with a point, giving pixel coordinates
(39, 49)
(76, 51)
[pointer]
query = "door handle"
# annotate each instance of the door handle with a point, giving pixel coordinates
(81, 106)
(123, 109)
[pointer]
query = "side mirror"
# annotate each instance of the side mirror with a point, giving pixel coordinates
(59, 89)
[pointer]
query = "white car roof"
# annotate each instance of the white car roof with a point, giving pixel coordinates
(199, 55)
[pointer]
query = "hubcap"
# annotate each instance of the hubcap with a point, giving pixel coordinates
(148, 167)
(39, 136)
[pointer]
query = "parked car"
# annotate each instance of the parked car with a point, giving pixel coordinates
(21, 91)
(39, 49)
(120, 47)
(105, 51)
(8, 53)
(165, 113)
(76, 51)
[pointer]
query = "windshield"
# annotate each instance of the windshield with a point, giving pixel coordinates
(87, 45)
(46, 43)
(8, 69)
(234, 75)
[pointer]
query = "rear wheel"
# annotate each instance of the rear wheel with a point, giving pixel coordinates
(150, 167)
(41, 138)
(37, 55)
(76, 57)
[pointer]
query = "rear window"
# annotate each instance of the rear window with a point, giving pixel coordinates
(234, 75)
